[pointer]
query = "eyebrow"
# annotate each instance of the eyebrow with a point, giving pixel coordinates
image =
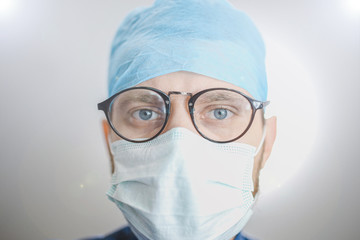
(145, 98)
(217, 98)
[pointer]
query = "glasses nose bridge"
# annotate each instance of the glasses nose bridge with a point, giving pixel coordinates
(187, 94)
(178, 109)
(179, 93)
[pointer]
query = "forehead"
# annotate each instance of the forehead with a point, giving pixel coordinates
(185, 81)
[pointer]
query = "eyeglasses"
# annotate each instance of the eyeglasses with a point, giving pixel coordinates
(140, 114)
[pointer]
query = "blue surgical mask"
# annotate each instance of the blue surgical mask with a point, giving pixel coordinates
(182, 186)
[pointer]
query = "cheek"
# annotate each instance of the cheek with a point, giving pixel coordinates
(113, 137)
(254, 134)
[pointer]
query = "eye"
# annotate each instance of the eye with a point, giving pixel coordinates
(145, 114)
(220, 113)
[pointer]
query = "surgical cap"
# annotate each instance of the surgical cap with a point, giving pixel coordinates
(208, 37)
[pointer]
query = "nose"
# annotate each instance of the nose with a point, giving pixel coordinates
(179, 114)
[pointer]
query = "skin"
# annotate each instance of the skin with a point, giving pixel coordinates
(179, 117)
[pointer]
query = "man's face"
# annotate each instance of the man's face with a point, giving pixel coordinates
(180, 117)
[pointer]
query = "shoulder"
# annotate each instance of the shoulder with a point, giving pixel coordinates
(242, 237)
(126, 234)
(122, 234)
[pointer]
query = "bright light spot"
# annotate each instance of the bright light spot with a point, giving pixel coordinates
(294, 101)
(353, 6)
(6, 7)
(81, 185)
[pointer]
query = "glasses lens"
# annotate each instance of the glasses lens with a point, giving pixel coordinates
(222, 115)
(138, 114)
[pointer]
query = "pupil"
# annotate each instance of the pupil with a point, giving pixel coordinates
(145, 114)
(220, 113)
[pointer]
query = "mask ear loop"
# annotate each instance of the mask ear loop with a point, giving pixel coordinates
(256, 198)
(110, 147)
(262, 141)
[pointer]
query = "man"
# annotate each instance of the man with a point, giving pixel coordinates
(185, 123)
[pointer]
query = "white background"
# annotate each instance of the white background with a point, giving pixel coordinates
(54, 170)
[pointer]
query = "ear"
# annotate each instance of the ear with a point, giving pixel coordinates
(106, 130)
(269, 139)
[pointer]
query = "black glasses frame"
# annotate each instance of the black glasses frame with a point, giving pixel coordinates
(255, 105)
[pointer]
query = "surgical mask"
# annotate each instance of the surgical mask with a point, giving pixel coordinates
(182, 186)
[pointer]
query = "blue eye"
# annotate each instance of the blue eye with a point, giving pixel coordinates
(145, 114)
(220, 113)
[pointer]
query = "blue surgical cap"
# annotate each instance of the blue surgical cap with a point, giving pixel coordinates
(208, 37)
